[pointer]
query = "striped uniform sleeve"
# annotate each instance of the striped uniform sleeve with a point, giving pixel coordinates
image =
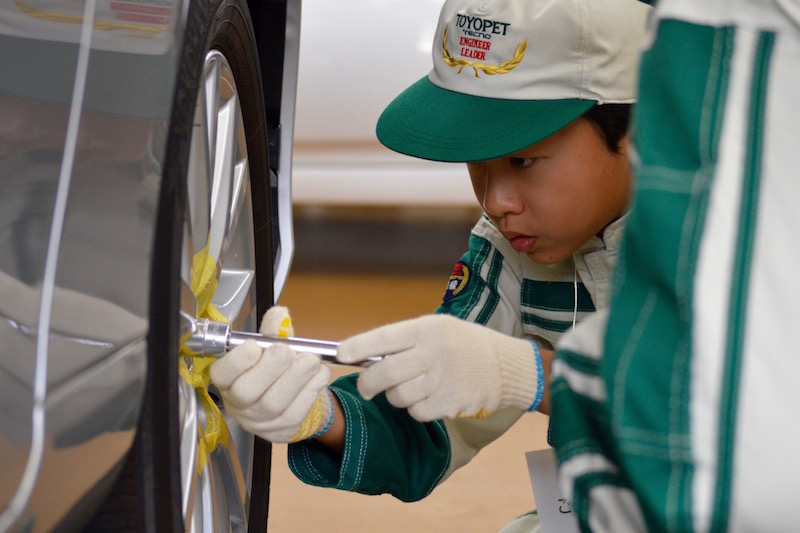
(485, 285)
(700, 378)
(579, 432)
(386, 451)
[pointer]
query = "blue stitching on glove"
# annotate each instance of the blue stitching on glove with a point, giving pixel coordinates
(330, 421)
(540, 378)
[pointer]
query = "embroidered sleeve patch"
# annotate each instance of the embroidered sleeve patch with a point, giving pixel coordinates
(459, 280)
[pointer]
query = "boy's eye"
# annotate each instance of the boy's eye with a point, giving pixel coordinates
(521, 162)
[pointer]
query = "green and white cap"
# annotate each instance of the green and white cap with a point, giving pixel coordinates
(509, 73)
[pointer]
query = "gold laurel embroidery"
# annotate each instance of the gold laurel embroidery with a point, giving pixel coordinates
(502, 68)
(463, 280)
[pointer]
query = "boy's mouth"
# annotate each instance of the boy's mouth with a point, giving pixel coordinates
(523, 243)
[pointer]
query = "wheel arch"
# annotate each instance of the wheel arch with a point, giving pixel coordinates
(276, 24)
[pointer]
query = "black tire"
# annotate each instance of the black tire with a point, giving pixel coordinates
(146, 495)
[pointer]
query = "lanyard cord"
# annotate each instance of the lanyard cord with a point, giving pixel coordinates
(575, 296)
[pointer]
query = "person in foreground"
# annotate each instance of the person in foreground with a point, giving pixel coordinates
(534, 97)
(681, 395)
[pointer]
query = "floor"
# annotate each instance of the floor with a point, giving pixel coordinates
(330, 300)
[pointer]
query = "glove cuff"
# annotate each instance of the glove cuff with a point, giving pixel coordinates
(521, 374)
(318, 419)
(327, 421)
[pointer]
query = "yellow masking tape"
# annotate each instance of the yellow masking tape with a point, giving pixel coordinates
(285, 328)
(204, 283)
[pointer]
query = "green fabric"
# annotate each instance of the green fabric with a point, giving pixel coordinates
(580, 503)
(480, 250)
(678, 151)
(545, 323)
(429, 122)
(555, 296)
(644, 426)
(395, 453)
(492, 279)
(740, 284)
(575, 435)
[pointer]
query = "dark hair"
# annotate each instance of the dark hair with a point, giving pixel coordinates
(611, 121)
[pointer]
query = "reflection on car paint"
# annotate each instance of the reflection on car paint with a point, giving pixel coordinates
(79, 185)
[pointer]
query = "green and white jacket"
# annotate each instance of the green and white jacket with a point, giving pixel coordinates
(386, 450)
(676, 408)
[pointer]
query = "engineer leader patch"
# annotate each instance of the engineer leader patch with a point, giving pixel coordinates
(458, 281)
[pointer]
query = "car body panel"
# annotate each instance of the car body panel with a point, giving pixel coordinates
(82, 144)
(85, 104)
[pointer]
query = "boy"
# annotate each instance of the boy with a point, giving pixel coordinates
(514, 93)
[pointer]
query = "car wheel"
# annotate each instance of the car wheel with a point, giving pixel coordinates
(214, 214)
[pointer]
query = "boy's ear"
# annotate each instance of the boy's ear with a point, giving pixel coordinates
(622, 146)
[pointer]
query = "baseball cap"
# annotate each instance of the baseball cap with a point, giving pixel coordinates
(509, 73)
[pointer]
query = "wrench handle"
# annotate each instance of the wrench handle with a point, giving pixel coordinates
(325, 349)
(215, 339)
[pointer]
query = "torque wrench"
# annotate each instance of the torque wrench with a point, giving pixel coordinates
(206, 338)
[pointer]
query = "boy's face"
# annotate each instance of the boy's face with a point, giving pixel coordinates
(549, 199)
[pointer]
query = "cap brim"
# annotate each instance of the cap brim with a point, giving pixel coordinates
(429, 122)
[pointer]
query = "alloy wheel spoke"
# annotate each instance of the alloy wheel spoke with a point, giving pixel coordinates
(219, 215)
(226, 158)
(198, 177)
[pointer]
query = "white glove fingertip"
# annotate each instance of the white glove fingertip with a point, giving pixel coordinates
(395, 397)
(373, 381)
(322, 377)
(408, 393)
(352, 351)
(308, 360)
(279, 355)
(421, 413)
(390, 339)
(316, 375)
(277, 322)
(253, 383)
(224, 371)
(365, 389)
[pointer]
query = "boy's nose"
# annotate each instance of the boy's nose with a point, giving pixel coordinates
(500, 197)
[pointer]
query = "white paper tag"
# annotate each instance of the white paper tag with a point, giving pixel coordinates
(555, 512)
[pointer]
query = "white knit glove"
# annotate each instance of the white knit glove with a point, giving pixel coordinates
(276, 393)
(439, 366)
